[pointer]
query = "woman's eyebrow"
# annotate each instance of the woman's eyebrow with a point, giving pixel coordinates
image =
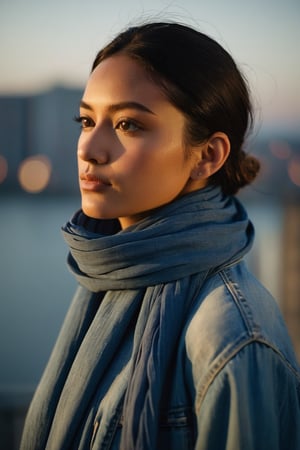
(129, 105)
(85, 105)
(120, 106)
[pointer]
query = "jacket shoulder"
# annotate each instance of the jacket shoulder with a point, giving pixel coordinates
(232, 311)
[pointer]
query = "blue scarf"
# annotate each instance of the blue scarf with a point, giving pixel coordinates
(148, 274)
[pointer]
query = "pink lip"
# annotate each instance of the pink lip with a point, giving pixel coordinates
(91, 182)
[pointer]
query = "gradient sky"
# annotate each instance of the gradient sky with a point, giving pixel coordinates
(43, 43)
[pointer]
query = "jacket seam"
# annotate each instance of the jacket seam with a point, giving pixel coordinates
(240, 303)
(218, 365)
(253, 330)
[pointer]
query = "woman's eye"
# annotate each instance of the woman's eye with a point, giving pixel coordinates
(127, 126)
(84, 121)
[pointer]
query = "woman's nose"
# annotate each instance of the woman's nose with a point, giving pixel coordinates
(93, 148)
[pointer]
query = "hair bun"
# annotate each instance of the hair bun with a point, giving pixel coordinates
(237, 172)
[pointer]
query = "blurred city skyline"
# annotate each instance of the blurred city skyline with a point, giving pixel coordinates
(44, 44)
(40, 154)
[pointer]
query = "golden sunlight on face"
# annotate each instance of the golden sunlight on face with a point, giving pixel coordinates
(130, 153)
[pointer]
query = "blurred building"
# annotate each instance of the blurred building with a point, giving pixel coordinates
(40, 125)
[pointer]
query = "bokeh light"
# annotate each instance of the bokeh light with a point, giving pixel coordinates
(34, 173)
(294, 170)
(3, 169)
(280, 149)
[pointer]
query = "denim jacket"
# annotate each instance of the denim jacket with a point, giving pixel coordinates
(235, 382)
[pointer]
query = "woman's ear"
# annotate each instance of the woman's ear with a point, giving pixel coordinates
(211, 156)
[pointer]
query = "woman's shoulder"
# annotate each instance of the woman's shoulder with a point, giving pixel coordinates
(232, 311)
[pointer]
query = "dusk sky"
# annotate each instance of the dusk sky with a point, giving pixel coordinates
(46, 43)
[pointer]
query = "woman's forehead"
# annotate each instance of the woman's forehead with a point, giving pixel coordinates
(120, 79)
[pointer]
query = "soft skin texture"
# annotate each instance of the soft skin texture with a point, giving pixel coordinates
(131, 157)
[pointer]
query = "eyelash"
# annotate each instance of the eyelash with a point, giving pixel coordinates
(82, 119)
(86, 122)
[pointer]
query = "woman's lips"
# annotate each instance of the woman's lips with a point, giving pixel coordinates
(92, 182)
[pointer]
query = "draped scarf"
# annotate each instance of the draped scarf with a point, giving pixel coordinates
(148, 275)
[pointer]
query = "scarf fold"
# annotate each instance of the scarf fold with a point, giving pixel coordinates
(148, 275)
(195, 233)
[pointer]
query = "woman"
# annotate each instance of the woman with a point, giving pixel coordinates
(170, 343)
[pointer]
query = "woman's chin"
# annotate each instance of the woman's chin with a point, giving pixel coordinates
(94, 212)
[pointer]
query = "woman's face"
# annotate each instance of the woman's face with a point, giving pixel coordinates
(131, 156)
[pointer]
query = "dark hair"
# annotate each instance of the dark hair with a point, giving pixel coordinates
(201, 79)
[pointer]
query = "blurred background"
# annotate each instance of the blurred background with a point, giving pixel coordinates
(46, 50)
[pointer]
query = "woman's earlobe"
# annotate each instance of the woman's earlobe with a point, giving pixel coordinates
(196, 173)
